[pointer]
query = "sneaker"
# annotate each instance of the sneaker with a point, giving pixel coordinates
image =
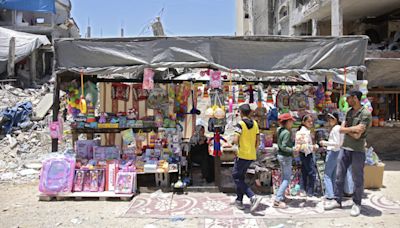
(279, 204)
(332, 205)
(355, 210)
(255, 201)
(239, 205)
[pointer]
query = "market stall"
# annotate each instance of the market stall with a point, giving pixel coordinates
(129, 91)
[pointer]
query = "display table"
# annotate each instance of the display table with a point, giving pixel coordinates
(79, 195)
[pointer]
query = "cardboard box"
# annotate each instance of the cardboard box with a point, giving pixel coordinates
(373, 176)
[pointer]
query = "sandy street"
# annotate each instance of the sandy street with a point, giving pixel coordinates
(20, 208)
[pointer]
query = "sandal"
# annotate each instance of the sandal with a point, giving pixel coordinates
(279, 204)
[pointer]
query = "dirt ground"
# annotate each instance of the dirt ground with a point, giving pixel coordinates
(20, 208)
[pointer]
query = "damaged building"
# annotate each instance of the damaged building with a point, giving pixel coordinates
(51, 19)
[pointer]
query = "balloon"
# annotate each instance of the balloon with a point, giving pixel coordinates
(343, 105)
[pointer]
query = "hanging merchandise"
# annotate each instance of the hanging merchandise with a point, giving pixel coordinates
(362, 86)
(120, 91)
(343, 105)
(310, 91)
(270, 98)
(91, 93)
(127, 136)
(329, 82)
(216, 112)
(148, 79)
(157, 99)
(250, 90)
(320, 97)
(214, 143)
(298, 101)
(215, 80)
(205, 93)
(82, 103)
(241, 95)
(194, 110)
(56, 129)
(272, 118)
(260, 91)
(138, 93)
(73, 98)
(182, 92)
(282, 100)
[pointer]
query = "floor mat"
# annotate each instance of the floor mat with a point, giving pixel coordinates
(220, 205)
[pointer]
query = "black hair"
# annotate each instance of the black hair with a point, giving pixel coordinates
(305, 117)
(336, 115)
(245, 109)
(283, 123)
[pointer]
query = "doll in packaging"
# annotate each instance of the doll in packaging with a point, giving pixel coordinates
(78, 181)
(94, 181)
(86, 181)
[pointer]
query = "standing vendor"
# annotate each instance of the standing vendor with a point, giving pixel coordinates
(199, 153)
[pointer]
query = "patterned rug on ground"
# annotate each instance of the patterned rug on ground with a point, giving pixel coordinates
(220, 205)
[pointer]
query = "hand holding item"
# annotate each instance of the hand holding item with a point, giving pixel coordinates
(322, 143)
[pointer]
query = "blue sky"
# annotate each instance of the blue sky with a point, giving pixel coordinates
(180, 17)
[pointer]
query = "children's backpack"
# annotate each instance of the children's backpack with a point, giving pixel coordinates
(57, 175)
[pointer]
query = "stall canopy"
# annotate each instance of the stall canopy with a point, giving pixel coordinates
(383, 72)
(249, 56)
(25, 44)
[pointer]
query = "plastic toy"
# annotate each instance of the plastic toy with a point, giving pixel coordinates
(86, 181)
(124, 182)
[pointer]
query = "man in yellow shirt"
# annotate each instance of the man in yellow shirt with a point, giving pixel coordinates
(246, 136)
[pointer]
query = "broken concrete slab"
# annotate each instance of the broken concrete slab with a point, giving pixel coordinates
(27, 172)
(43, 107)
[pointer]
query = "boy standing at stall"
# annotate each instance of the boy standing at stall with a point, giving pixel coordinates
(246, 137)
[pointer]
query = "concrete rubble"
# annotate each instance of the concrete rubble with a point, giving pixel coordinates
(22, 150)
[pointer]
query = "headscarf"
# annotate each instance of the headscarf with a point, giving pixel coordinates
(196, 137)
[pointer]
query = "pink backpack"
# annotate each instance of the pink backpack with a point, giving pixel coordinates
(57, 175)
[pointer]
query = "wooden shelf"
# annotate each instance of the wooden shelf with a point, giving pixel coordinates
(79, 195)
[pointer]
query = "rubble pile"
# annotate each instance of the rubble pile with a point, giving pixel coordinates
(23, 148)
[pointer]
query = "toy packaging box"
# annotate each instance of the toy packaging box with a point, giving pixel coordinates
(125, 182)
(84, 148)
(57, 175)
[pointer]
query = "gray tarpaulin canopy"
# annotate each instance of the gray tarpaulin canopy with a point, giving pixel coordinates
(383, 72)
(253, 56)
(25, 44)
